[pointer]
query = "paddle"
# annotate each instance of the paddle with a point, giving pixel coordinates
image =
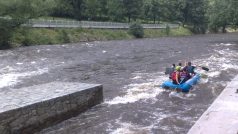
(204, 68)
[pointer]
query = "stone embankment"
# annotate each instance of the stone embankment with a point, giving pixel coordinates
(30, 109)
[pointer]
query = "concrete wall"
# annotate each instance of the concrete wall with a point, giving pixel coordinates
(222, 116)
(48, 109)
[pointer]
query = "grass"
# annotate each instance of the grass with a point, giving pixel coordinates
(153, 33)
(39, 36)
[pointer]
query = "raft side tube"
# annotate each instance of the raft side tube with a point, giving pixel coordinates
(185, 87)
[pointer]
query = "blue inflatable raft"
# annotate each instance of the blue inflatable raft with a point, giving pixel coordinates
(185, 87)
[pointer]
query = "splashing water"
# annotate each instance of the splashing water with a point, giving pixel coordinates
(12, 78)
(218, 61)
(130, 128)
(141, 91)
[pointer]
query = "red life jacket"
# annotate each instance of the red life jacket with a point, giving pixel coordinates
(173, 76)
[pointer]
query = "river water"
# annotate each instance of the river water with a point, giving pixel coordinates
(131, 72)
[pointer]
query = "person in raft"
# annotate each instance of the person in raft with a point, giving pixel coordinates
(175, 76)
(180, 75)
(190, 69)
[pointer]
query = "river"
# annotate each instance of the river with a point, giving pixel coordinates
(131, 72)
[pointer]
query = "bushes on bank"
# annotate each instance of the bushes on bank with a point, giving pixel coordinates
(137, 30)
(7, 28)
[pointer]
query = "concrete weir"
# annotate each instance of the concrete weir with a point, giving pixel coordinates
(222, 116)
(30, 109)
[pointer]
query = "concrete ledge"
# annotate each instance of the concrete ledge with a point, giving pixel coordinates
(222, 116)
(28, 110)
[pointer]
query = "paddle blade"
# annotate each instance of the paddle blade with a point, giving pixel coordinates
(205, 68)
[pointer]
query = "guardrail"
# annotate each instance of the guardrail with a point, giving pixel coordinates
(91, 24)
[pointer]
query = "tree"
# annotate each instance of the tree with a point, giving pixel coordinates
(116, 10)
(171, 10)
(15, 13)
(219, 18)
(78, 7)
(63, 8)
(133, 8)
(155, 10)
(103, 9)
(91, 9)
(234, 13)
(194, 13)
(147, 9)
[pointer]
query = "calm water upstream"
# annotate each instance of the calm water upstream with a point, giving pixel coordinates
(131, 72)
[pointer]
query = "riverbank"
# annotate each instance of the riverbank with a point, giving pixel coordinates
(46, 36)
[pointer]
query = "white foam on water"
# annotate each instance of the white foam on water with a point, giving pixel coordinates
(136, 77)
(220, 60)
(129, 128)
(88, 44)
(6, 53)
(203, 80)
(10, 79)
(229, 66)
(140, 91)
(181, 95)
(43, 59)
(214, 74)
(227, 44)
(137, 92)
(18, 63)
(33, 62)
(7, 69)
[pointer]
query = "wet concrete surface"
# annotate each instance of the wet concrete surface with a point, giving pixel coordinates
(131, 72)
(222, 114)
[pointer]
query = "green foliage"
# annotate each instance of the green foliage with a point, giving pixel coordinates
(137, 30)
(220, 19)
(167, 30)
(197, 14)
(5, 33)
(63, 8)
(65, 37)
(91, 9)
(153, 33)
(194, 14)
(133, 8)
(234, 13)
(14, 13)
(116, 10)
(155, 10)
(181, 31)
(172, 10)
(36, 36)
